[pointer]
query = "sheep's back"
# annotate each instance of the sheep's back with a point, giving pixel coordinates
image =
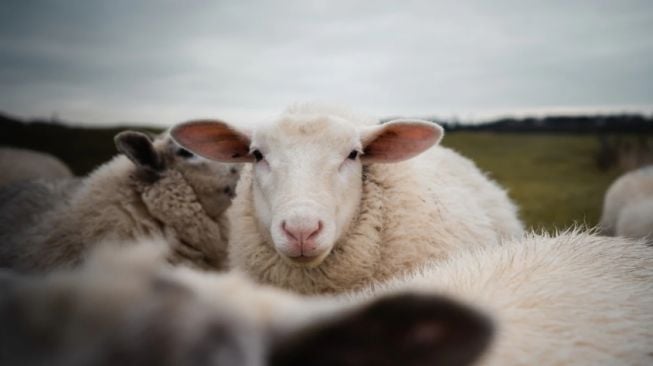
(566, 300)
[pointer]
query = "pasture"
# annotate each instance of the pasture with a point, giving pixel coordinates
(554, 178)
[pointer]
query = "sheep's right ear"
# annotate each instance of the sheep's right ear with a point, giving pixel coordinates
(213, 139)
(408, 330)
(138, 147)
(398, 140)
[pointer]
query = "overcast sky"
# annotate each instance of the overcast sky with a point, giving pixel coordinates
(162, 62)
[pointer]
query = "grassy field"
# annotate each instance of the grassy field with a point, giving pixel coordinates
(553, 178)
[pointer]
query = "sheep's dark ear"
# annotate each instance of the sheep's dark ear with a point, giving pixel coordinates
(138, 147)
(398, 140)
(407, 330)
(213, 139)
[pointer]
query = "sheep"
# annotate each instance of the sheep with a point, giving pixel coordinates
(153, 188)
(23, 164)
(22, 203)
(134, 310)
(628, 205)
(107, 314)
(636, 220)
(574, 299)
(320, 209)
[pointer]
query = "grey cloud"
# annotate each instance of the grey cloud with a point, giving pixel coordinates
(168, 60)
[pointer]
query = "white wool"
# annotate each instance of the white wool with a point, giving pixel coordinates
(628, 205)
(22, 164)
(574, 299)
(321, 109)
(636, 220)
(438, 202)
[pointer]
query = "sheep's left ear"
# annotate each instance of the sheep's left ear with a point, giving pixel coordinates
(138, 147)
(407, 330)
(215, 140)
(398, 140)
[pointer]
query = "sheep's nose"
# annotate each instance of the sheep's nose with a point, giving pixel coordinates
(302, 235)
(230, 191)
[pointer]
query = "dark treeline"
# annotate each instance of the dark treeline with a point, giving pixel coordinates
(618, 123)
(83, 148)
(624, 141)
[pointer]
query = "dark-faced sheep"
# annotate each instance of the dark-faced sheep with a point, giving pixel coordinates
(154, 188)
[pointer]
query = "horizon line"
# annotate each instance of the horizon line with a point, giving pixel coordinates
(469, 117)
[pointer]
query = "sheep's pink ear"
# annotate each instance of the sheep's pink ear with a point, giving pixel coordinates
(398, 140)
(213, 139)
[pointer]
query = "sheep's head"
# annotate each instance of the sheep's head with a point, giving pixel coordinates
(307, 173)
(213, 182)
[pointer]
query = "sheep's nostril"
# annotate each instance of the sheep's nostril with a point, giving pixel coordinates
(316, 232)
(227, 190)
(287, 232)
(300, 233)
(233, 170)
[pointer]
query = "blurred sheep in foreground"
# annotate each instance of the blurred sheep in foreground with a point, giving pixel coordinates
(575, 299)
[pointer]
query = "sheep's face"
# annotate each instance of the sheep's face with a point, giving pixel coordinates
(307, 173)
(213, 182)
(306, 184)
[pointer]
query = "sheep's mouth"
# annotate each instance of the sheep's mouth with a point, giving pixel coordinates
(305, 261)
(302, 259)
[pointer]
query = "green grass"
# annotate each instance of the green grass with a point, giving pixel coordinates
(553, 178)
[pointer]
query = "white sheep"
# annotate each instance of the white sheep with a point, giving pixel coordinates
(572, 299)
(575, 299)
(23, 203)
(23, 164)
(155, 188)
(321, 209)
(628, 205)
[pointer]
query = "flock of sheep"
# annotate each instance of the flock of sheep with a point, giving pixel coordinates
(320, 237)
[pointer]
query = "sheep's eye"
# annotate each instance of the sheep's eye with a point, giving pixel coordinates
(352, 155)
(257, 155)
(184, 153)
